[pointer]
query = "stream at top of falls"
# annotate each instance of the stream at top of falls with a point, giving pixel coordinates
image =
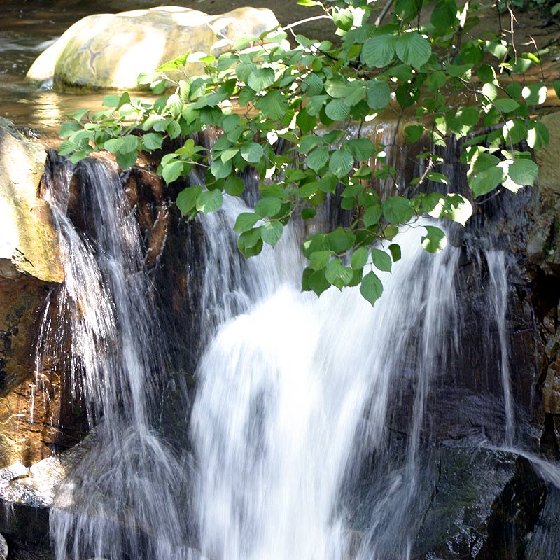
(292, 405)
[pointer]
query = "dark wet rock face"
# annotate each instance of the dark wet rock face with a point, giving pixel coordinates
(514, 514)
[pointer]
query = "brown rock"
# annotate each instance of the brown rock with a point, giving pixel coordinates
(29, 270)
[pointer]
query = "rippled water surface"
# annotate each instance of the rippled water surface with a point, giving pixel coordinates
(27, 27)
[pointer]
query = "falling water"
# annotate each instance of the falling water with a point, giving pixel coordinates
(300, 452)
(125, 499)
(499, 284)
(294, 393)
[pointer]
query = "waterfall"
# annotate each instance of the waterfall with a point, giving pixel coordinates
(294, 394)
(125, 499)
(499, 291)
(312, 426)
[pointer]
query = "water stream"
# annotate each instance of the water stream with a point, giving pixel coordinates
(125, 499)
(294, 393)
(310, 424)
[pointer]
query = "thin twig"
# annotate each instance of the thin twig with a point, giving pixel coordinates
(307, 20)
(383, 12)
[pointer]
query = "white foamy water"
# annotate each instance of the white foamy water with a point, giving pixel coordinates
(124, 499)
(499, 292)
(295, 391)
(293, 402)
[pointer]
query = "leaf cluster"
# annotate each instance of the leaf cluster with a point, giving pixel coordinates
(285, 114)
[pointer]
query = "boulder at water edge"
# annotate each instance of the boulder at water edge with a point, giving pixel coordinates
(29, 267)
(110, 51)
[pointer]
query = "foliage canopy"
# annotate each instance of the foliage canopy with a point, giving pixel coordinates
(311, 103)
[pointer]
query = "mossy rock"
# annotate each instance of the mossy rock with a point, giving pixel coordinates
(109, 51)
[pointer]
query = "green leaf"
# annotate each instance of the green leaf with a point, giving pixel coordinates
(381, 260)
(482, 182)
(523, 171)
(68, 128)
(173, 129)
(250, 242)
(273, 105)
(378, 94)
(340, 240)
(371, 287)
(209, 201)
(268, 206)
(260, 79)
(413, 49)
(337, 274)
(234, 185)
(244, 70)
(537, 135)
(506, 105)
(372, 215)
(359, 258)
(341, 163)
(220, 169)
(314, 280)
(252, 153)
(172, 171)
(152, 141)
(126, 160)
(407, 10)
(534, 94)
(395, 251)
(186, 199)
(397, 210)
(435, 239)
(490, 91)
(379, 51)
(337, 110)
(305, 121)
(360, 148)
(318, 158)
(245, 221)
(111, 101)
(444, 16)
(226, 155)
(319, 259)
(312, 85)
(113, 146)
(272, 232)
(413, 133)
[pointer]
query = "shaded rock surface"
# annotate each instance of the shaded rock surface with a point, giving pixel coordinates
(543, 250)
(110, 51)
(481, 504)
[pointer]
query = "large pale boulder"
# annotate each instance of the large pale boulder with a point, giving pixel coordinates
(110, 51)
(28, 242)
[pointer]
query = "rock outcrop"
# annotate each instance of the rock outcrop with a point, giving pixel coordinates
(110, 51)
(29, 270)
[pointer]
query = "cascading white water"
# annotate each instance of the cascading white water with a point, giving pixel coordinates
(294, 393)
(499, 284)
(294, 401)
(124, 499)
